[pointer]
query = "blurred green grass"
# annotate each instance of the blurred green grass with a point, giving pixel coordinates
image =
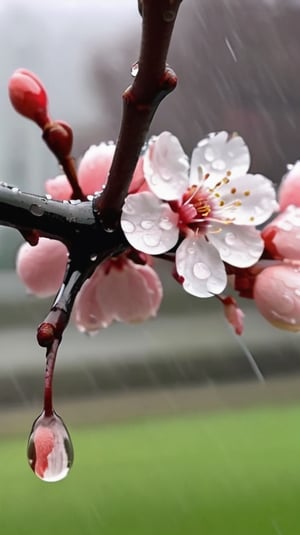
(234, 473)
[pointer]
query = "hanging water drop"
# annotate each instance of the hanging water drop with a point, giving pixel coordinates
(50, 451)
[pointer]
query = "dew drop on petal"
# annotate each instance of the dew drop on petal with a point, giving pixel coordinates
(151, 240)
(230, 238)
(209, 154)
(218, 165)
(165, 223)
(201, 271)
(127, 226)
(50, 451)
(147, 224)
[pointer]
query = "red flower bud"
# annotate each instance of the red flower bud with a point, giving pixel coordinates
(59, 138)
(28, 96)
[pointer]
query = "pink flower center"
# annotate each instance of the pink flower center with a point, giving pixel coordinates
(195, 209)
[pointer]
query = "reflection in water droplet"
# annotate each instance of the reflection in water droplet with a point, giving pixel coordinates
(147, 224)
(93, 257)
(50, 451)
(165, 223)
(209, 154)
(218, 165)
(15, 190)
(48, 196)
(37, 210)
(201, 271)
(151, 240)
(230, 238)
(127, 226)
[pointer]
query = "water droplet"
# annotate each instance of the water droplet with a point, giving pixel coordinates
(151, 240)
(218, 165)
(48, 196)
(50, 451)
(165, 223)
(93, 257)
(209, 154)
(134, 69)
(36, 210)
(147, 224)
(75, 201)
(230, 238)
(201, 271)
(127, 226)
(109, 230)
(90, 197)
(15, 190)
(191, 250)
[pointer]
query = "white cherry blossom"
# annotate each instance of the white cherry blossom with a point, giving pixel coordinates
(214, 206)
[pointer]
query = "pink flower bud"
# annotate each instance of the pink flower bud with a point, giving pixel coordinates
(234, 315)
(41, 268)
(289, 190)
(282, 235)
(28, 96)
(95, 165)
(277, 296)
(59, 188)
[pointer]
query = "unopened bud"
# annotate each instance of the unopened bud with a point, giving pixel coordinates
(58, 136)
(28, 96)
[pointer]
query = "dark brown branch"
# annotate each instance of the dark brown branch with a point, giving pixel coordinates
(140, 101)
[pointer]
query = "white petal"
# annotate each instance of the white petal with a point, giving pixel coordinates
(199, 263)
(166, 167)
(247, 200)
(239, 246)
(149, 224)
(218, 154)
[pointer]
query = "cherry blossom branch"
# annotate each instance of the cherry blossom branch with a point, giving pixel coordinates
(153, 81)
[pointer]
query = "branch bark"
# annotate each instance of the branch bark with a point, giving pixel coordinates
(154, 80)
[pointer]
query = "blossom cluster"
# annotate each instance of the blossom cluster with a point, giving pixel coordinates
(202, 215)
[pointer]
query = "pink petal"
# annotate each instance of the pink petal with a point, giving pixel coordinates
(238, 245)
(130, 293)
(201, 267)
(89, 310)
(217, 154)
(282, 235)
(166, 167)
(41, 268)
(289, 190)
(59, 188)
(277, 296)
(149, 225)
